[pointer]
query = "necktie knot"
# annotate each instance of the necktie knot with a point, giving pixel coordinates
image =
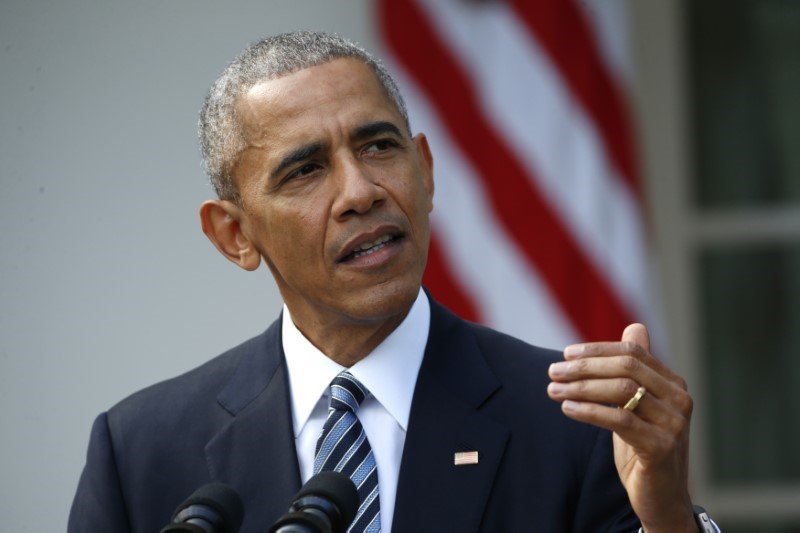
(347, 392)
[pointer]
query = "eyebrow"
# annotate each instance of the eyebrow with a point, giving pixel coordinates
(295, 156)
(372, 129)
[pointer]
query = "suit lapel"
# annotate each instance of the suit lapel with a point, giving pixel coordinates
(255, 452)
(433, 493)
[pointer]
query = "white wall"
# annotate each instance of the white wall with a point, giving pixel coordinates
(106, 282)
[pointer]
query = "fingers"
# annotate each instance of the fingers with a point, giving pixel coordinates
(636, 371)
(652, 440)
(635, 343)
(596, 378)
(616, 391)
(656, 421)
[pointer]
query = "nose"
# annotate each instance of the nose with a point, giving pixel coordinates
(358, 191)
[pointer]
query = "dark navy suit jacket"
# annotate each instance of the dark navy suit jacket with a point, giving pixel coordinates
(478, 390)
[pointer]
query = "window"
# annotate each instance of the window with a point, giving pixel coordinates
(743, 251)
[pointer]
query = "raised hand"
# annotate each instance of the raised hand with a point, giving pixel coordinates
(651, 435)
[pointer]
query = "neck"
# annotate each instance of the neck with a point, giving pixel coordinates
(348, 342)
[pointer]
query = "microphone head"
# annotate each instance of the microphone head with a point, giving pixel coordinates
(335, 487)
(215, 503)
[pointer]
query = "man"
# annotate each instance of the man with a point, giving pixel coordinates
(307, 142)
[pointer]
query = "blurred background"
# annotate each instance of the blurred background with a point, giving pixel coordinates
(597, 162)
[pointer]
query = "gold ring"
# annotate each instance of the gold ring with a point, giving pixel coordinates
(633, 403)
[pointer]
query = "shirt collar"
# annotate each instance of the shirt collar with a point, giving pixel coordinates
(389, 371)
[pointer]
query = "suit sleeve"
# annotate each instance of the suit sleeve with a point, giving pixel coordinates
(98, 503)
(603, 503)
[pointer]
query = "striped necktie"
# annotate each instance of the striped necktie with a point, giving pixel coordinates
(343, 447)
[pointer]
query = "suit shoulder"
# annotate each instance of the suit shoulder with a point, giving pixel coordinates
(512, 361)
(502, 348)
(196, 389)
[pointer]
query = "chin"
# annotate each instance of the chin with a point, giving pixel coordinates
(385, 300)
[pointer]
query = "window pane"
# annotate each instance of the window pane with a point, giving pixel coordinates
(745, 75)
(750, 305)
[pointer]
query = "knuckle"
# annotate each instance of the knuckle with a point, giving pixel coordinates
(625, 419)
(673, 427)
(633, 349)
(629, 347)
(581, 366)
(630, 364)
(686, 405)
(680, 426)
(628, 387)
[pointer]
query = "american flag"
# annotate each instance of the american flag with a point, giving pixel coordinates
(538, 225)
(465, 458)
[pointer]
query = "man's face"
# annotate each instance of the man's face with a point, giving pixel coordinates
(335, 194)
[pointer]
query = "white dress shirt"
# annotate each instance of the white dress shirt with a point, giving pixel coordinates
(389, 373)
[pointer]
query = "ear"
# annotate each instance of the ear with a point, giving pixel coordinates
(222, 223)
(426, 164)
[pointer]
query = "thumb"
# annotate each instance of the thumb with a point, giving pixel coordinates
(637, 334)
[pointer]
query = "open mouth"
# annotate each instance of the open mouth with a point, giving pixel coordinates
(368, 248)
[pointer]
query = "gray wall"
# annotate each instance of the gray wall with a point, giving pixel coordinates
(107, 283)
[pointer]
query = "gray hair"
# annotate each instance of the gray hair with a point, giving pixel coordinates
(221, 135)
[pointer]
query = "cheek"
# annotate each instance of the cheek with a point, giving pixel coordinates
(297, 237)
(418, 201)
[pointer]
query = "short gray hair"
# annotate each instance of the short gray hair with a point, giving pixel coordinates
(221, 135)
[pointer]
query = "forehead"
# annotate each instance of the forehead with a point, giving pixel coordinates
(340, 91)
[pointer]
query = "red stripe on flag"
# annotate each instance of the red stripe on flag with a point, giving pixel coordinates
(560, 27)
(440, 281)
(574, 283)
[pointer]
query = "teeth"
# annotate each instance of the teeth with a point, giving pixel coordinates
(368, 245)
(371, 247)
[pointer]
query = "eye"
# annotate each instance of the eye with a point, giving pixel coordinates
(305, 170)
(381, 145)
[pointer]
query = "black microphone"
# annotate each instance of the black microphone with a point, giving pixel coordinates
(327, 503)
(213, 508)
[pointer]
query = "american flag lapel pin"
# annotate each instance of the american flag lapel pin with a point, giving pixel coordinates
(465, 458)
